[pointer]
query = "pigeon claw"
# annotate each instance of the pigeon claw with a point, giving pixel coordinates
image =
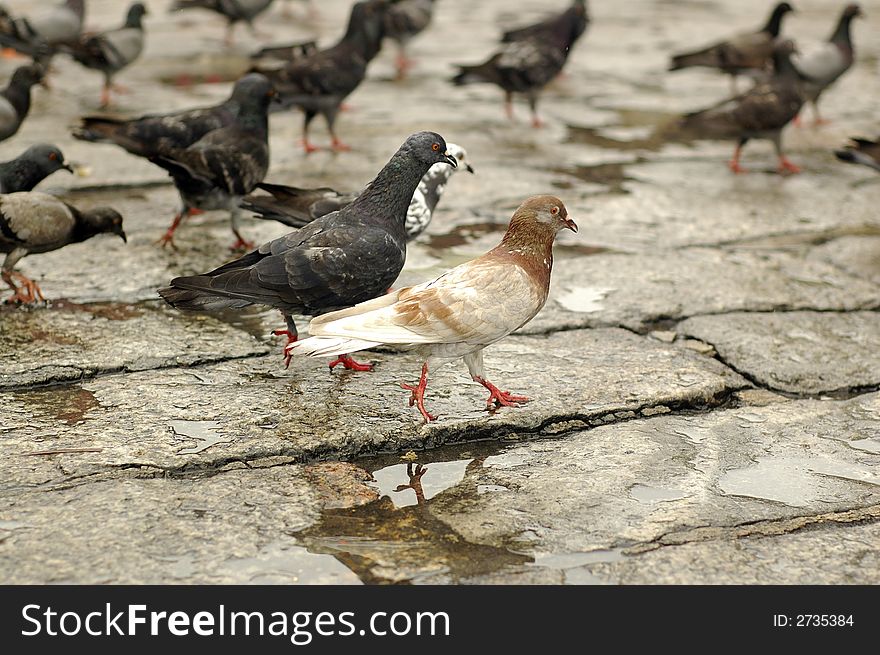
(785, 166)
(736, 168)
(29, 291)
(349, 364)
(417, 396)
(291, 338)
(338, 146)
(167, 239)
(242, 244)
(500, 398)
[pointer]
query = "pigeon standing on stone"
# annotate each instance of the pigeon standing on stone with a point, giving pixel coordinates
(336, 261)
(459, 313)
(319, 83)
(760, 113)
(31, 167)
(37, 36)
(751, 51)
(15, 99)
(235, 11)
(526, 63)
(113, 50)
(820, 68)
(861, 151)
(298, 207)
(225, 165)
(404, 20)
(149, 136)
(34, 222)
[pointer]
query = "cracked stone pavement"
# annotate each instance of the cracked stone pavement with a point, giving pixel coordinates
(705, 375)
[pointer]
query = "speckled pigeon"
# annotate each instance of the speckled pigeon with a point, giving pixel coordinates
(298, 207)
(38, 35)
(861, 151)
(33, 222)
(404, 20)
(759, 113)
(31, 167)
(821, 67)
(235, 11)
(459, 313)
(225, 165)
(751, 51)
(530, 60)
(336, 261)
(111, 51)
(150, 135)
(15, 99)
(319, 83)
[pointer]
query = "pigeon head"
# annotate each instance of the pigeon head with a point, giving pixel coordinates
(852, 11)
(47, 157)
(782, 53)
(536, 222)
(26, 76)
(135, 14)
(428, 148)
(254, 90)
(460, 156)
(102, 220)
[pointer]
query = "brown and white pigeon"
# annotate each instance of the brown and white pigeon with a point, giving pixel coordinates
(39, 34)
(111, 51)
(298, 207)
(759, 113)
(15, 99)
(861, 151)
(336, 261)
(234, 11)
(320, 82)
(404, 20)
(461, 312)
(823, 66)
(530, 58)
(750, 51)
(31, 167)
(33, 222)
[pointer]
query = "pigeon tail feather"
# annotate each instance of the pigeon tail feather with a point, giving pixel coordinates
(330, 346)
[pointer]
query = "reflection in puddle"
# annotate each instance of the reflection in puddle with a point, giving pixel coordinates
(396, 481)
(69, 403)
(462, 234)
(204, 431)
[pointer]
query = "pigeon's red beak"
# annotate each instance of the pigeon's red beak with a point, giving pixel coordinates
(571, 225)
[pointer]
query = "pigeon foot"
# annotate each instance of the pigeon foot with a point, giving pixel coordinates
(736, 168)
(500, 398)
(242, 244)
(349, 364)
(291, 338)
(27, 293)
(785, 166)
(338, 146)
(418, 394)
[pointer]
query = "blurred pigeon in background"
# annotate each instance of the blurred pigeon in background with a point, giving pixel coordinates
(336, 261)
(15, 99)
(459, 313)
(235, 11)
(39, 35)
(861, 151)
(404, 20)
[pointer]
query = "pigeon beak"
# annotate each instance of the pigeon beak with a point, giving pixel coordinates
(452, 161)
(68, 168)
(122, 236)
(469, 169)
(571, 225)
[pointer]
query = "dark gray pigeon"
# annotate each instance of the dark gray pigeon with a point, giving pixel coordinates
(31, 167)
(111, 51)
(319, 83)
(298, 207)
(861, 151)
(336, 261)
(759, 113)
(15, 99)
(234, 11)
(404, 20)
(149, 136)
(823, 66)
(528, 61)
(751, 51)
(33, 222)
(225, 165)
(39, 35)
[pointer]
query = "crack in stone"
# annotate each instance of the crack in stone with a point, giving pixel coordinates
(756, 529)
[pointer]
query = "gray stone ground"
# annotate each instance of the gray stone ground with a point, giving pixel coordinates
(704, 376)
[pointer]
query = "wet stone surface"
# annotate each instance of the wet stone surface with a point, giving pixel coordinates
(703, 376)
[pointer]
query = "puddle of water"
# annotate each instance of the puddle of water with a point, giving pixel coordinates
(284, 563)
(650, 495)
(506, 460)
(69, 404)
(868, 445)
(573, 560)
(395, 482)
(582, 299)
(610, 175)
(462, 234)
(203, 431)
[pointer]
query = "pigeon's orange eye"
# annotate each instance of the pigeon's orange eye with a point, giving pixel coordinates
(555, 210)
(52, 156)
(435, 147)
